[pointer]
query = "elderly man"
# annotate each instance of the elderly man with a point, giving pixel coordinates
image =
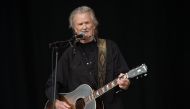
(92, 61)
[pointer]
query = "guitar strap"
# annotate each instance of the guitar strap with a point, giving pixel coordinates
(101, 61)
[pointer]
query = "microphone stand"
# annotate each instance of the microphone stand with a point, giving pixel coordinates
(55, 47)
(54, 77)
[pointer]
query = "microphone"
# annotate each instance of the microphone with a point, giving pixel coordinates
(80, 35)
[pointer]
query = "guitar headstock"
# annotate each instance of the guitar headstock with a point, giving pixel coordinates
(142, 69)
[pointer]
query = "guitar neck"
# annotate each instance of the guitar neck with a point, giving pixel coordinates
(104, 89)
(132, 73)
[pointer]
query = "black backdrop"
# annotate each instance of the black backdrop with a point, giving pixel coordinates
(145, 30)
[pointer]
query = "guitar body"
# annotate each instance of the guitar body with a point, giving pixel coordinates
(76, 98)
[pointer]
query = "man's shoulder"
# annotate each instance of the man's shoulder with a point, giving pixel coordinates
(66, 52)
(110, 43)
(107, 40)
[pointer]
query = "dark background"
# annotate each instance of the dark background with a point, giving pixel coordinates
(147, 31)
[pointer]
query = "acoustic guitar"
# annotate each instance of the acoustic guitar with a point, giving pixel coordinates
(83, 97)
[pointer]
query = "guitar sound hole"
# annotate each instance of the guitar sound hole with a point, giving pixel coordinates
(80, 103)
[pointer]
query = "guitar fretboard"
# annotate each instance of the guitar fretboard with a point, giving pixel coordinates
(132, 73)
(101, 90)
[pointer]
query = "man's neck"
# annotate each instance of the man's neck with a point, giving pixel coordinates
(87, 40)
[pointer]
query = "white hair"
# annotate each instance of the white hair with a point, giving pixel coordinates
(82, 9)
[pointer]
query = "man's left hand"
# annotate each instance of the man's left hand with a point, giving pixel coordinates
(123, 81)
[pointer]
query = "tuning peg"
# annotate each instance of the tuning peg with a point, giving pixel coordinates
(137, 77)
(145, 74)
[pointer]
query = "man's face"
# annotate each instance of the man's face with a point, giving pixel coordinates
(83, 23)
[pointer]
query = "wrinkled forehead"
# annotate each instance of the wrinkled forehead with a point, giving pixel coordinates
(82, 17)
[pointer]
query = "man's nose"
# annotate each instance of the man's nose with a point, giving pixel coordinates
(84, 26)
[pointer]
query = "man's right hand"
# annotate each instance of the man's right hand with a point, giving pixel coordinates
(61, 105)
